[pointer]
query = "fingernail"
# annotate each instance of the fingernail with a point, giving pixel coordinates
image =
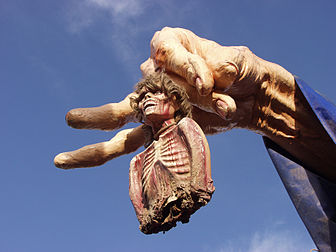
(200, 87)
(222, 109)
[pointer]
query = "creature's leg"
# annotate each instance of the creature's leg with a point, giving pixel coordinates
(107, 117)
(126, 141)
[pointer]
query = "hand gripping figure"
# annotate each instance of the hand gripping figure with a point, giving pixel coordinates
(171, 179)
(230, 87)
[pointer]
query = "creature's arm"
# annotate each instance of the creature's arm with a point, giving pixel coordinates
(199, 151)
(126, 141)
(135, 186)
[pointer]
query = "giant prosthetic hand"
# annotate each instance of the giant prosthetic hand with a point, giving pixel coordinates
(228, 87)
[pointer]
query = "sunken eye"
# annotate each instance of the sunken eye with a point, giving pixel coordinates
(141, 96)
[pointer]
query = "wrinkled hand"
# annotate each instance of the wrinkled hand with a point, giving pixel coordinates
(223, 84)
(227, 78)
(204, 64)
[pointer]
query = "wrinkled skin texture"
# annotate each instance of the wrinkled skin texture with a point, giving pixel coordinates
(171, 179)
(229, 87)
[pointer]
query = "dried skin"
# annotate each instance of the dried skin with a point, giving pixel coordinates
(171, 179)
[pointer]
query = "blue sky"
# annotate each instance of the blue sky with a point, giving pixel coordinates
(58, 55)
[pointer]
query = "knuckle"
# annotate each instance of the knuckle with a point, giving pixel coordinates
(165, 46)
(245, 49)
(167, 29)
(162, 52)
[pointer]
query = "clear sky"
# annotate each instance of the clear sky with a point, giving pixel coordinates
(58, 55)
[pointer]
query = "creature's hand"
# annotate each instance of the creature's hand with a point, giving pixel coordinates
(223, 84)
(253, 94)
(232, 76)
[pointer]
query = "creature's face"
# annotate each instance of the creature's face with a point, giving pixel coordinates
(156, 107)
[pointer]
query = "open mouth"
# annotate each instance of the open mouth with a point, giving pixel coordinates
(149, 103)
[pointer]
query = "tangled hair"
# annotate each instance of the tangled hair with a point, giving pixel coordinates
(161, 82)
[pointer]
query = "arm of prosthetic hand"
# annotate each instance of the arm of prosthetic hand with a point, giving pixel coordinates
(107, 117)
(125, 141)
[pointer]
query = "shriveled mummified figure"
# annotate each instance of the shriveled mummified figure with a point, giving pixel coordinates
(171, 179)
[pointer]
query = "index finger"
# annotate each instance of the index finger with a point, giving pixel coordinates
(178, 50)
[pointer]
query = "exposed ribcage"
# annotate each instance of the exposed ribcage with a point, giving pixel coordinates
(174, 155)
(163, 161)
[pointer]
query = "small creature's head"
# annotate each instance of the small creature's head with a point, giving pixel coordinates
(159, 98)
